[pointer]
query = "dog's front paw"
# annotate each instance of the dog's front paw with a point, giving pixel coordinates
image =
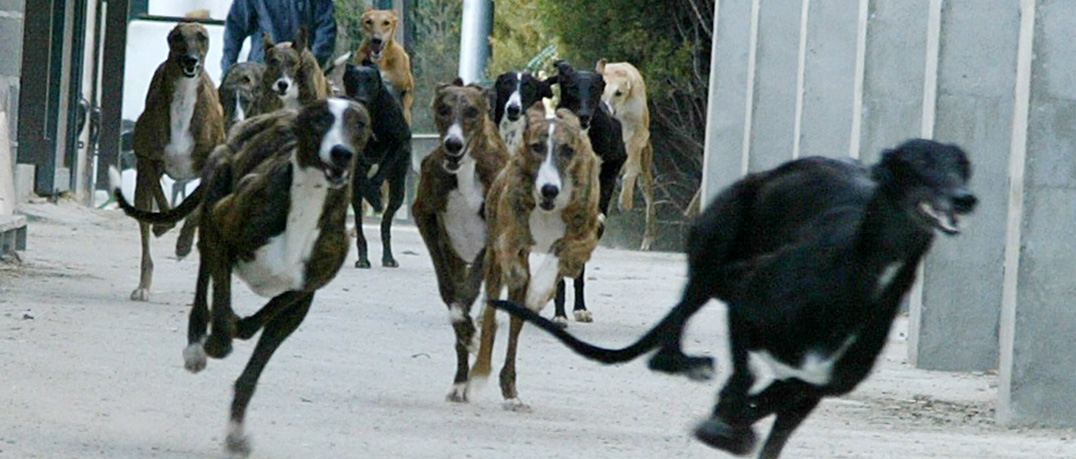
(159, 230)
(236, 443)
(582, 315)
(737, 440)
(389, 262)
(561, 321)
(140, 294)
(362, 263)
(194, 357)
(516, 405)
(458, 394)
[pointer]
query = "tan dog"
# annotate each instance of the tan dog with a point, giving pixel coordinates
(448, 208)
(379, 45)
(292, 76)
(545, 202)
(625, 95)
(180, 126)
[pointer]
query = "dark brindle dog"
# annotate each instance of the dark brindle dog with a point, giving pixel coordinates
(386, 158)
(180, 126)
(813, 259)
(449, 207)
(292, 75)
(581, 92)
(273, 210)
(239, 91)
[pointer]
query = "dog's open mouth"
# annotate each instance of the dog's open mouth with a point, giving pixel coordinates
(190, 72)
(376, 46)
(547, 204)
(337, 176)
(945, 220)
(452, 163)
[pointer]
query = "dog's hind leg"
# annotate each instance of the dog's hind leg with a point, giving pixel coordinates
(219, 343)
(194, 356)
(276, 331)
(579, 310)
(186, 234)
(648, 197)
(250, 325)
(396, 181)
(146, 180)
(508, 372)
(729, 428)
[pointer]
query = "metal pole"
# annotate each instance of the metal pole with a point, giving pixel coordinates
(474, 39)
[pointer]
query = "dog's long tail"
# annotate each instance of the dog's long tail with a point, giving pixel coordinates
(170, 216)
(652, 339)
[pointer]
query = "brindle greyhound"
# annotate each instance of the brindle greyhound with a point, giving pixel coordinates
(544, 202)
(180, 126)
(292, 75)
(449, 207)
(273, 210)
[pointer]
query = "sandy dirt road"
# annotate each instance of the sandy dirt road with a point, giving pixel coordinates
(86, 373)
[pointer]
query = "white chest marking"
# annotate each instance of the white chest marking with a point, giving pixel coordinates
(280, 264)
(178, 161)
(240, 115)
(887, 276)
(466, 228)
(546, 228)
(816, 367)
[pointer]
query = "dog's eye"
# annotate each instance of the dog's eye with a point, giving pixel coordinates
(538, 148)
(566, 151)
(444, 111)
(385, 23)
(369, 22)
(618, 93)
(470, 112)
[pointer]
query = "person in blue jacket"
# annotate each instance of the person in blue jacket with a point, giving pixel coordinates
(282, 20)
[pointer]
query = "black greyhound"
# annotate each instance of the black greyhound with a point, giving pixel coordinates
(814, 295)
(386, 158)
(581, 92)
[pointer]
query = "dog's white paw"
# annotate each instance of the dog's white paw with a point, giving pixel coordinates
(236, 443)
(561, 321)
(458, 394)
(140, 294)
(115, 179)
(516, 405)
(583, 315)
(194, 358)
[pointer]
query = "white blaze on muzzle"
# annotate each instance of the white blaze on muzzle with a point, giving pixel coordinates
(335, 135)
(516, 98)
(455, 132)
(548, 173)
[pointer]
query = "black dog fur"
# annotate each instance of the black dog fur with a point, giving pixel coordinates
(580, 92)
(513, 93)
(813, 259)
(387, 156)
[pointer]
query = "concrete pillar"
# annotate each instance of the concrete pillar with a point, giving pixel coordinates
(831, 40)
(729, 103)
(1038, 325)
(957, 318)
(775, 85)
(893, 77)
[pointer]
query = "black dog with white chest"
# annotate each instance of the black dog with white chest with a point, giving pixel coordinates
(813, 259)
(514, 93)
(581, 92)
(386, 158)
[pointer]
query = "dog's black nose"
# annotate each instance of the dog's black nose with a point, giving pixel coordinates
(341, 156)
(513, 112)
(964, 201)
(549, 191)
(282, 85)
(188, 62)
(453, 145)
(584, 121)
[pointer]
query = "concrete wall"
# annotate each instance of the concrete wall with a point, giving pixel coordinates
(11, 64)
(811, 77)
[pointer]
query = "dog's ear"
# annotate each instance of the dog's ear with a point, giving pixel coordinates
(457, 82)
(535, 113)
(563, 67)
(301, 41)
(600, 68)
(267, 41)
(568, 117)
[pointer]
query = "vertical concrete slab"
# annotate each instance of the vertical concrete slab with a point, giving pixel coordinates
(893, 75)
(962, 282)
(724, 161)
(829, 78)
(776, 66)
(1039, 320)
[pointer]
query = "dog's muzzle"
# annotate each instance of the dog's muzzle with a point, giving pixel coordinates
(548, 197)
(190, 66)
(337, 171)
(513, 111)
(376, 46)
(945, 214)
(281, 87)
(453, 147)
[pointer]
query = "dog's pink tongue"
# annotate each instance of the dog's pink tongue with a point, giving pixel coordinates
(375, 47)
